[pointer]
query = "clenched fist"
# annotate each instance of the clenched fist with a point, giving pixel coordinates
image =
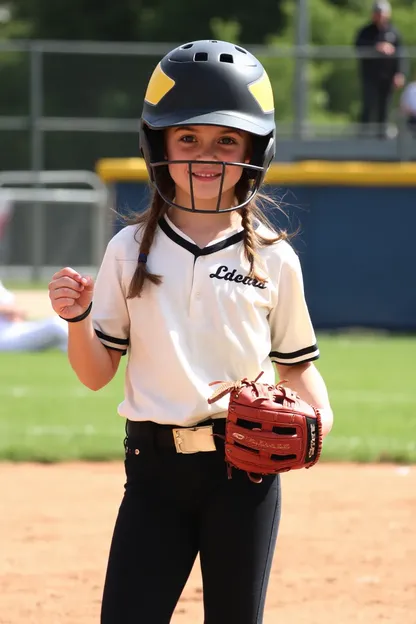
(70, 293)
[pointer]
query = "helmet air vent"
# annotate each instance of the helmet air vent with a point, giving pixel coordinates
(201, 56)
(187, 46)
(241, 49)
(226, 58)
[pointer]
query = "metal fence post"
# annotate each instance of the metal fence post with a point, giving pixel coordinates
(38, 221)
(300, 78)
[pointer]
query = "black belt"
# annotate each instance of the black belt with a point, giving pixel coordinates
(149, 435)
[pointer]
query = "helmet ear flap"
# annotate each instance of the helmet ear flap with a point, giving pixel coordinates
(263, 150)
(152, 147)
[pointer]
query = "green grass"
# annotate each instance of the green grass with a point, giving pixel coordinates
(25, 285)
(47, 415)
(371, 381)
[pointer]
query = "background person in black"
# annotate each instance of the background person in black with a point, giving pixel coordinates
(381, 74)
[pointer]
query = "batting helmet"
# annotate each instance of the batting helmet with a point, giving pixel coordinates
(209, 83)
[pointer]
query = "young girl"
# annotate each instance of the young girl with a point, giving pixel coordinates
(199, 289)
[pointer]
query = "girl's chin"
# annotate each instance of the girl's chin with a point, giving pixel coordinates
(205, 193)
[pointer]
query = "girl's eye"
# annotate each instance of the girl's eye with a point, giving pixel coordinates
(187, 138)
(228, 141)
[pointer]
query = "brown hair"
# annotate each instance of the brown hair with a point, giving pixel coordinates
(147, 223)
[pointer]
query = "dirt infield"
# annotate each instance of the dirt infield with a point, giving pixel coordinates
(346, 550)
(35, 302)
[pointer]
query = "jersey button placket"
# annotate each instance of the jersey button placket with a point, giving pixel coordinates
(196, 294)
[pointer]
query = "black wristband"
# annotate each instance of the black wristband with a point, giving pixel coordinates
(81, 317)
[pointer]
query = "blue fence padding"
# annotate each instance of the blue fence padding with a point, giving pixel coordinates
(356, 245)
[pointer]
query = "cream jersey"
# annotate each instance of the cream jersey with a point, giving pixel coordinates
(207, 321)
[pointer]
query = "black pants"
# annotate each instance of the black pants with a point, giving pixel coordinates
(376, 95)
(174, 507)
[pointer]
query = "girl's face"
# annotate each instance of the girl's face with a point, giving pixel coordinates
(214, 143)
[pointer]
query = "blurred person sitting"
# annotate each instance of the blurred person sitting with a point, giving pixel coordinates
(408, 106)
(17, 333)
(380, 73)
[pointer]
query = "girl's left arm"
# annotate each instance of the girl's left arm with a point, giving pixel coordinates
(307, 381)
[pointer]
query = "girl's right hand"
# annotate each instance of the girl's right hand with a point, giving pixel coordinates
(70, 293)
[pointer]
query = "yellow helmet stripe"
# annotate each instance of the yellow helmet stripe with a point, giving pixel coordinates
(159, 85)
(262, 92)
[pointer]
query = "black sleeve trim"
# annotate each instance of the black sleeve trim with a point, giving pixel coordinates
(294, 354)
(310, 359)
(120, 341)
(122, 351)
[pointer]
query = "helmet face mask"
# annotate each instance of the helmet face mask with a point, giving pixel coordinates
(209, 83)
(254, 185)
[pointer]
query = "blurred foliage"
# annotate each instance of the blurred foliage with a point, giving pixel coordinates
(113, 85)
(145, 20)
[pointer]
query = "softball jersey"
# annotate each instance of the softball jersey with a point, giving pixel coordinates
(207, 321)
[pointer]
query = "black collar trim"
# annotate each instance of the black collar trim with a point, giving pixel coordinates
(194, 249)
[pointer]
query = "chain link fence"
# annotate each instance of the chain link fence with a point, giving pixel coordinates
(69, 104)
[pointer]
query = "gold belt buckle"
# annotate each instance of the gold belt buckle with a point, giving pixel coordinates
(194, 439)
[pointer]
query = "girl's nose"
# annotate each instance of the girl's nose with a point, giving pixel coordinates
(207, 152)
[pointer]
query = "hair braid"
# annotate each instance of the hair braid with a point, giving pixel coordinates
(148, 223)
(250, 243)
